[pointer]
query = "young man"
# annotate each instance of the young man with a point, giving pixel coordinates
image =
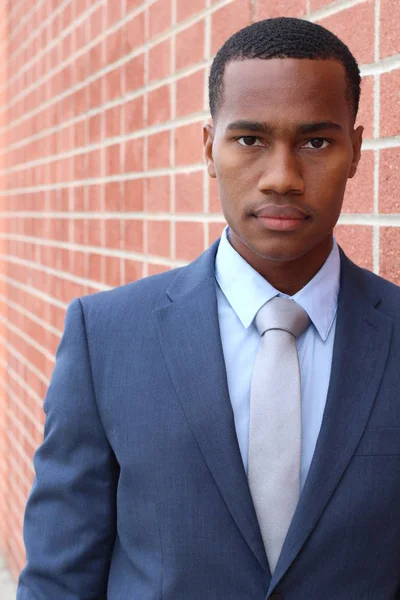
(231, 429)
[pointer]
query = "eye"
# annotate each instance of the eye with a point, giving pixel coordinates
(249, 141)
(317, 144)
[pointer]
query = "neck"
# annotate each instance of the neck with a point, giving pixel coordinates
(291, 276)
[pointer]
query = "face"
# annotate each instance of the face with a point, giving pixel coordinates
(282, 148)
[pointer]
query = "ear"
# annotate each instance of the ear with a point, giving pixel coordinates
(208, 140)
(357, 142)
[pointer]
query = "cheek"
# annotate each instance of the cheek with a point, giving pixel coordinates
(326, 181)
(236, 180)
(237, 175)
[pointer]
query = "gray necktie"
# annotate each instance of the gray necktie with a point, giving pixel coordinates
(275, 422)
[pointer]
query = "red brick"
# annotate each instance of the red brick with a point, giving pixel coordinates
(159, 150)
(133, 239)
(160, 61)
(113, 121)
(94, 164)
(365, 115)
(389, 32)
(113, 84)
(190, 45)
(77, 195)
(158, 194)
(81, 36)
(227, 20)
(132, 4)
(160, 17)
(390, 104)
(265, 9)
(356, 241)
(96, 58)
(114, 12)
(316, 4)
(159, 236)
(360, 40)
(189, 240)
(94, 129)
(113, 159)
(96, 93)
(80, 265)
(113, 233)
(359, 196)
(132, 34)
(133, 151)
(214, 231)
(96, 22)
(113, 47)
(188, 145)
(113, 197)
(133, 270)
(185, 9)
(95, 262)
(133, 193)
(134, 115)
(95, 197)
(389, 266)
(159, 105)
(81, 6)
(389, 180)
(80, 231)
(189, 192)
(112, 271)
(82, 70)
(156, 269)
(134, 73)
(190, 94)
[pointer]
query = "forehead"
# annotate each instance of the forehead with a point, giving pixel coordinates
(285, 90)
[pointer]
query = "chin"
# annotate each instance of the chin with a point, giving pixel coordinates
(275, 251)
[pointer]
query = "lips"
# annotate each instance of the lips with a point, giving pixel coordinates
(281, 218)
(272, 211)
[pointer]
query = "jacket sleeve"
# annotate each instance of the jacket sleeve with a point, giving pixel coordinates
(70, 518)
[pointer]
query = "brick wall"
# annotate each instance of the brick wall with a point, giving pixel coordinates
(102, 179)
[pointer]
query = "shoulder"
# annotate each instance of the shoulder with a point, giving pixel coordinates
(387, 292)
(139, 297)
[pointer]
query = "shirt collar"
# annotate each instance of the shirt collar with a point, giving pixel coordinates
(247, 291)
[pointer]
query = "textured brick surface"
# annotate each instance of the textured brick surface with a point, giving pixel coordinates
(359, 196)
(390, 103)
(190, 94)
(189, 192)
(186, 9)
(266, 9)
(229, 19)
(389, 181)
(366, 111)
(102, 177)
(356, 241)
(190, 45)
(390, 19)
(359, 39)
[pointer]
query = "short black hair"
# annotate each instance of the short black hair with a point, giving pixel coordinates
(283, 37)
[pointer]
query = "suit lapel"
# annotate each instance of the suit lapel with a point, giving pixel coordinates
(362, 341)
(189, 335)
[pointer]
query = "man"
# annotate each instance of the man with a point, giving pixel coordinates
(231, 429)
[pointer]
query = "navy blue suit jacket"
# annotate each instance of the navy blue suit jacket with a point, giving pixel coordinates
(140, 491)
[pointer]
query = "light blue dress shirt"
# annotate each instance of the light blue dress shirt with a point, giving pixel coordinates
(241, 292)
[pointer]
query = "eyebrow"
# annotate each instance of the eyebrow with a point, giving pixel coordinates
(262, 127)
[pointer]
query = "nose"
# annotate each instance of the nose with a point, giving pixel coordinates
(282, 173)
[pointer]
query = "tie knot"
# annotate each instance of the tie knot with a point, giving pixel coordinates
(284, 314)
